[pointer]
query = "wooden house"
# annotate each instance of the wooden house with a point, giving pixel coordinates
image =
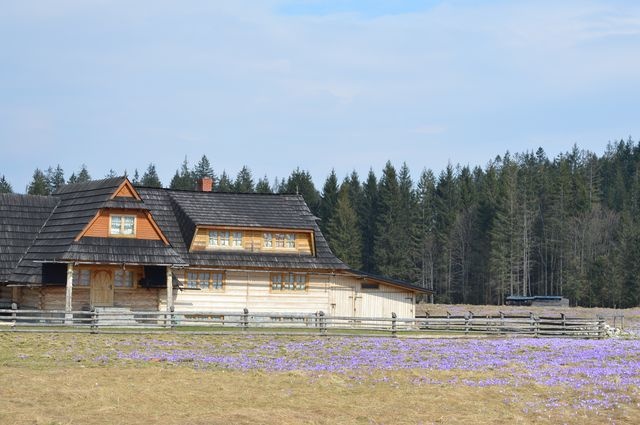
(109, 244)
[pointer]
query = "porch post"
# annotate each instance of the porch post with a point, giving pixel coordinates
(68, 306)
(169, 289)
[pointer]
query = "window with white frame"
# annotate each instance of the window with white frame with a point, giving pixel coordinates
(290, 240)
(268, 240)
(237, 239)
(224, 238)
(81, 277)
(123, 225)
(213, 238)
(205, 280)
(123, 278)
(279, 240)
(288, 281)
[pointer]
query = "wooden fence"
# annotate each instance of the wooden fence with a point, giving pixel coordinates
(123, 320)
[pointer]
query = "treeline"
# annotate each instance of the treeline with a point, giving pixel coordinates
(524, 224)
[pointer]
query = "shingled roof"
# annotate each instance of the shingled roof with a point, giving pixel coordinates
(75, 205)
(21, 218)
(178, 213)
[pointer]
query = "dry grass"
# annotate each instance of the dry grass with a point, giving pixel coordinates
(42, 383)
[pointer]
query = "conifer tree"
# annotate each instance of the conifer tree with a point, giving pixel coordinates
(244, 181)
(136, 177)
(300, 182)
(111, 174)
(203, 169)
(225, 184)
(150, 177)
(5, 187)
(183, 179)
(368, 218)
(55, 178)
(346, 242)
(263, 185)
(39, 184)
(328, 202)
(83, 175)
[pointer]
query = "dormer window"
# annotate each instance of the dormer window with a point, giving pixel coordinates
(122, 225)
(224, 239)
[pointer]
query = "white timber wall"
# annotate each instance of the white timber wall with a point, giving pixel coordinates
(335, 295)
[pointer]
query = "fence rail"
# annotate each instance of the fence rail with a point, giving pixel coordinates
(123, 320)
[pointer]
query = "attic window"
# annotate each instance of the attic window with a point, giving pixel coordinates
(123, 225)
(225, 239)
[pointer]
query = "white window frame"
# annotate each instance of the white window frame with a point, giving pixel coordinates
(120, 233)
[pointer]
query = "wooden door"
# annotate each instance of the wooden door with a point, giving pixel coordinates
(102, 289)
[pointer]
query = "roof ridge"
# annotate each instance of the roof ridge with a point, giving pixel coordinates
(78, 187)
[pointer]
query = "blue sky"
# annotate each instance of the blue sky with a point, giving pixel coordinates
(320, 85)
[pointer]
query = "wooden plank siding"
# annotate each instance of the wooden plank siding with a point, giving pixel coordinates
(336, 295)
(252, 240)
(144, 228)
(332, 294)
(125, 192)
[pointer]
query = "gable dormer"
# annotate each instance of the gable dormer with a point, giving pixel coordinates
(124, 215)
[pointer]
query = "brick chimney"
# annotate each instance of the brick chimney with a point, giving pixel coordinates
(204, 184)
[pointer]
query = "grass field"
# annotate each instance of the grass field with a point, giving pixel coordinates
(236, 379)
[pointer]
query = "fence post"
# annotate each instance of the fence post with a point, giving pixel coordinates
(564, 323)
(467, 322)
(245, 319)
(601, 330)
(14, 307)
(172, 317)
(94, 320)
(533, 323)
(393, 324)
(323, 323)
(448, 322)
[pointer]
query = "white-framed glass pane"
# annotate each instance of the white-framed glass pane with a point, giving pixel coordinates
(301, 282)
(276, 281)
(192, 280)
(203, 280)
(213, 238)
(129, 225)
(279, 240)
(237, 238)
(217, 278)
(224, 238)
(116, 222)
(290, 281)
(268, 240)
(290, 240)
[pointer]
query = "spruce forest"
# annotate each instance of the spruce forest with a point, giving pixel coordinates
(524, 224)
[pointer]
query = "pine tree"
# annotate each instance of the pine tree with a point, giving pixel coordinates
(225, 184)
(328, 202)
(346, 243)
(300, 182)
(83, 175)
(55, 178)
(111, 174)
(426, 227)
(263, 185)
(39, 184)
(244, 181)
(388, 250)
(368, 218)
(203, 169)
(136, 177)
(5, 187)
(183, 179)
(150, 177)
